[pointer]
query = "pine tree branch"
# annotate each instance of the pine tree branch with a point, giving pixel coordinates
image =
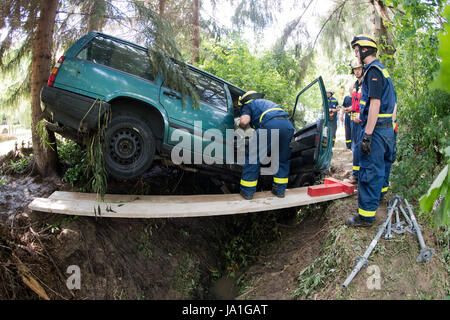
(4, 46)
(340, 7)
(165, 57)
(19, 91)
(281, 42)
(14, 57)
(105, 16)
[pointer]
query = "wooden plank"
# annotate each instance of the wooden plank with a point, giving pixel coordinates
(143, 206)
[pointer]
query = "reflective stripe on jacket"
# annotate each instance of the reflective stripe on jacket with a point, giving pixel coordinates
(263, 110)
(388, 98)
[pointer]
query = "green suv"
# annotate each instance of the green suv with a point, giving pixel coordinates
(100, 72)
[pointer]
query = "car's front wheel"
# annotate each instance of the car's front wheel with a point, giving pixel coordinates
(129, 147)
(303, 180)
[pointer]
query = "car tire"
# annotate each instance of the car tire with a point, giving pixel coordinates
(129, 147)
(303, 180)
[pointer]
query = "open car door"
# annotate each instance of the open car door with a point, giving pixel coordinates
(311, 146)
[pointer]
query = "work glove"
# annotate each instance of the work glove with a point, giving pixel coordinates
(365, 143)
(395, 125)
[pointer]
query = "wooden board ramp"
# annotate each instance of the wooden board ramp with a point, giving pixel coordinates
(172, 206)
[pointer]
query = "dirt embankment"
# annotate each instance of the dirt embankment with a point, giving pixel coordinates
(117, 258)
(314, 257)
(300, 253)
(121, 258)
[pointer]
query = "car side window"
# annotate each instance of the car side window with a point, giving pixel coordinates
(210, 91)
(119, 56)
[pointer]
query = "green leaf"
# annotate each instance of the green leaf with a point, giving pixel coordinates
(427, 201)
(442, 214)
(443, 79)
(447, 152)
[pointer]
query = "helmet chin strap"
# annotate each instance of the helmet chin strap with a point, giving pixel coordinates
(364, 55)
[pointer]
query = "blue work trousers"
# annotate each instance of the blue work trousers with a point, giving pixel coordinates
(333, 129)
(250, 171)
(356, 139)
(373, 170)
(385, 188)
(348, 131)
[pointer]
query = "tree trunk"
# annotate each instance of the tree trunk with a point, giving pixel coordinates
(45, 159)
(162, 5)
(381, 32)
(97, 16)
(196, 32)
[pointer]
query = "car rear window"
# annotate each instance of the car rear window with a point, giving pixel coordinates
(119, 56)
(210, 91)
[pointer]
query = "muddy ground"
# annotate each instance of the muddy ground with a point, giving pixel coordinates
(299, 253)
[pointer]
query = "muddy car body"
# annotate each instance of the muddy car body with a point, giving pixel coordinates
(100, 72)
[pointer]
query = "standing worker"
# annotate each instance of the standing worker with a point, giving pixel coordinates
(333, 105)
(376, 105)
(357, 70)
(265, 114)
(346, 110)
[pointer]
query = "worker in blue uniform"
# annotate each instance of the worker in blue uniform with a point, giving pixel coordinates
(333, 109)
(357, 70)
(377, 105)
(263, 114)
(346, 110)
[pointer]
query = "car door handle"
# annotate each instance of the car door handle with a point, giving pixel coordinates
(172, 95)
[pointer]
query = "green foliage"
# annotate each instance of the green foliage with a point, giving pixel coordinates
(422, 111)
(341, 23)
(3, 181)
(259, 13)
(15, 77)
(165, 57)
(444, 245)
(439, 188)
(443, 79)
(144, 244)
(321, 269)
(420, 147)
(74, 158)
(22, 165)
(84, 166)
(233, 61)
(250, 232)
(42, 133)
(96, 162)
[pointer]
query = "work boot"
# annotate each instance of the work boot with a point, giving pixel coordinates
(357, 221)
(246, 197)
(352, 180)
(279, 195)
